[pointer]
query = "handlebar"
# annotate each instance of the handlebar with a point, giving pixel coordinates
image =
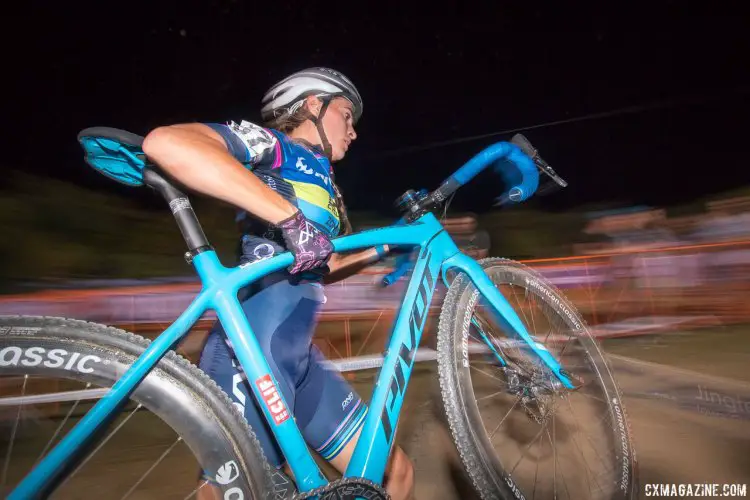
(493, 155)
(501, 156)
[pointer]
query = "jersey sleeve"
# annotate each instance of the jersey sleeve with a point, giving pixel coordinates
(247, 142)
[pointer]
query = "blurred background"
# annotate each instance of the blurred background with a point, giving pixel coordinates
(642, 110)
(635, 263)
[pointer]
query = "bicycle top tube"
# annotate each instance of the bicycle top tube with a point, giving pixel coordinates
(213, 273)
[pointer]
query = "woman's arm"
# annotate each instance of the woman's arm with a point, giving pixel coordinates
(198, 157)
(343, 266)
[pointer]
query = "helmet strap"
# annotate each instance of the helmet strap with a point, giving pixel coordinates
(318, 121)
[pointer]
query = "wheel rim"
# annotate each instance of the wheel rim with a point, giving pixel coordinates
(550, 443)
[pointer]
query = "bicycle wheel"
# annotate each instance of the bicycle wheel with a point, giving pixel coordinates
(75, 357)
(518, 432)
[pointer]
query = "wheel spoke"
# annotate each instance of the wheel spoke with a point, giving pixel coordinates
(59, 428)
(196, 490)
(488, 375)
(525, 450)
(554, 454)
(13, 436)
(506, 416)
(155, 464)
(101, 444)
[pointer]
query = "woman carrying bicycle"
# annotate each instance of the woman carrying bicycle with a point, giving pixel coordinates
(280, 177)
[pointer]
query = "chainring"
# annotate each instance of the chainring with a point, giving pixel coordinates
(348, 488)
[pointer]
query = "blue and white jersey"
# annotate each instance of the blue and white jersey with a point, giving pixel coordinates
(300, 173)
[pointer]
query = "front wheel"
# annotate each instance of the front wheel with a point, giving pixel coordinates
(519, 433)
(52, 370)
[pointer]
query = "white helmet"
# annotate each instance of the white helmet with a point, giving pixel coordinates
(289, 94)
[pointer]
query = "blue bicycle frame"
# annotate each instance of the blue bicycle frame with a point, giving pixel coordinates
(437, 255)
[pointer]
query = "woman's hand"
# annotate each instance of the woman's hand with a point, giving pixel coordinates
(311, 248)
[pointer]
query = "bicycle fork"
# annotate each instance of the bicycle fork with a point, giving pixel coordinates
(508, 319)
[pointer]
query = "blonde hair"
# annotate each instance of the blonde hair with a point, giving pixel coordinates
(286, 123)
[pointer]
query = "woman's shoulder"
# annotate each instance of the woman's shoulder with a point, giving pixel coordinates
(247, 141)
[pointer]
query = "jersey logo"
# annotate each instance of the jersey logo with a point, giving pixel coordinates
(263, 251)
(346, 401)
(323, 178)
(333, 207)
(302, 166)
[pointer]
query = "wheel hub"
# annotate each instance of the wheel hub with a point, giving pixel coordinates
(536, 392)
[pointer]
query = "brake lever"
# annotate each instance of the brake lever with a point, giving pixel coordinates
(523, 143)
(544, 167)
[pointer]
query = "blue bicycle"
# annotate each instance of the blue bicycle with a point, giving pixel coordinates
(527, 394)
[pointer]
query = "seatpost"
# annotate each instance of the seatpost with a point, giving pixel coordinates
(183, 213)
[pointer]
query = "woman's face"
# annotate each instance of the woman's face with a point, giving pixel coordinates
(338, 123)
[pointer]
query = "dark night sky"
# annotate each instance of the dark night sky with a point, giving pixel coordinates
(427, 74)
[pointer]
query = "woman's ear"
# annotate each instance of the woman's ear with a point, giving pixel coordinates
(313, 105)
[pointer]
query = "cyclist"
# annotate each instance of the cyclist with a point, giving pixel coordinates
(280, 177)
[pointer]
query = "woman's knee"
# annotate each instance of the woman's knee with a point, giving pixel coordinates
(399, 475)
